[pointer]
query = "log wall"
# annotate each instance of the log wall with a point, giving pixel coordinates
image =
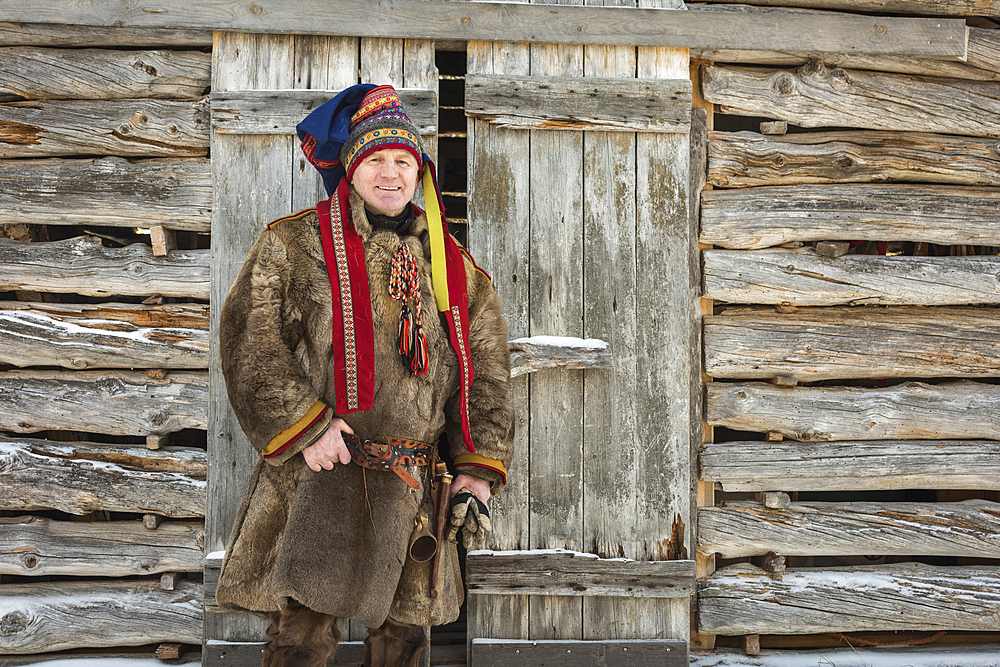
(850, 250)
(103, 151)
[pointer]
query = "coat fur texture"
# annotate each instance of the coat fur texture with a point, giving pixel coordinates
(336, 540)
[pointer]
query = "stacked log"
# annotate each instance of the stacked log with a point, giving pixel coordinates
(104, 352)
(853, 341)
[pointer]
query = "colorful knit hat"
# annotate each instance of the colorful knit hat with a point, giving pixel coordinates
(379, 123)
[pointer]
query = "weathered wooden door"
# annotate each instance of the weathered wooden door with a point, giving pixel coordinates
(578, 206)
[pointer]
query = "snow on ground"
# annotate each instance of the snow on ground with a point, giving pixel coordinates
(115, 662)
(884, 657)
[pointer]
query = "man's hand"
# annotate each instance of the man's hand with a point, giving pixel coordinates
(330, 448)
(470, 515)
(479, 487)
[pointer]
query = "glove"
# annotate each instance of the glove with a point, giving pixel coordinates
(471, 517)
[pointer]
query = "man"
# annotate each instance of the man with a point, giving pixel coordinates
(343, 378)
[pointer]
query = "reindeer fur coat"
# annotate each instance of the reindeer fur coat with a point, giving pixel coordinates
(336, 540)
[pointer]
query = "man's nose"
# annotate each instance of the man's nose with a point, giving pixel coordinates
(390, 169)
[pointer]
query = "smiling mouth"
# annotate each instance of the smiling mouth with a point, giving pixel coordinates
(389, 188)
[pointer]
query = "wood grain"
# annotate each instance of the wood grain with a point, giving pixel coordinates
(531, 23)
(54, 616)
(830, 343)
(817, 96)
(666, 305)
(174, 193)
(117, 403)
(576, 574)
(83, 37)
(747, 159)
(982, 63)
(609, 278)
(240, 62)
(126, 128)
(109, 335)
(850, 466)
(528, 357)
(739, 529)
(32, 73)
(37, 546)
(279, 111)
(925, 7)
(498, 225)
(769, 216)
(742, 599)
(556, 298)
(80, 477)
(81, 265)
(567, 103)
(912, 410)
(804, 278)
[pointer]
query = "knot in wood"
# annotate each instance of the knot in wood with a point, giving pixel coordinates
(784, 84)
(13, 623)
(815, 69)
(29, 561)
(839, 80)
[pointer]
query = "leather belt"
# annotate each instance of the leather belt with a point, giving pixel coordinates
(391, 454)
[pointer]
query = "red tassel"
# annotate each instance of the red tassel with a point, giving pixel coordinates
(404, 283)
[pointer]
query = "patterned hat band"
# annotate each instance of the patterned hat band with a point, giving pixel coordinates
(377, 140)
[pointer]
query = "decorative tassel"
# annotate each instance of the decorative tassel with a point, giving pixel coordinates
(404, 283)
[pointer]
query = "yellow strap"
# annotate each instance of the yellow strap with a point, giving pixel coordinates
(439, 263)
(279, 440)
(469, 458)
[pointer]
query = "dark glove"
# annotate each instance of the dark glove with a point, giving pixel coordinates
(471, 517)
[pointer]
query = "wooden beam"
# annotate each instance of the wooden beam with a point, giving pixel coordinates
(530, 355)
(575, 103)
(84, 37)
(747, 159)
(279, 111)
(853, 466)
(983, 63)
(117, 403)
(814, 344)
(761, 217)
(80, 477)
(741, 529)
(175, 193)
(804, 278)
(108, 335)
(248, 654)
(32, 73)
(36, 546)
(82, 265)
(913, 410)
(925, 7)
(532, 23)
(127, 128)
(743, 599)
(60, 615)
(817, 96)
(559, 572)
(568, 653)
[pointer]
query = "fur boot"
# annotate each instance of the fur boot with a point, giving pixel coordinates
(300, 637)
(394, 645)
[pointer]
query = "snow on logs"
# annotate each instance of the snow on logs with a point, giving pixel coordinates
(109, 335)
(80, 477)
(743, 599)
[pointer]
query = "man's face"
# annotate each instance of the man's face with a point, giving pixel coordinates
(386, 180)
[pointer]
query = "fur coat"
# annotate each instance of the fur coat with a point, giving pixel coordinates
(336, 540)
